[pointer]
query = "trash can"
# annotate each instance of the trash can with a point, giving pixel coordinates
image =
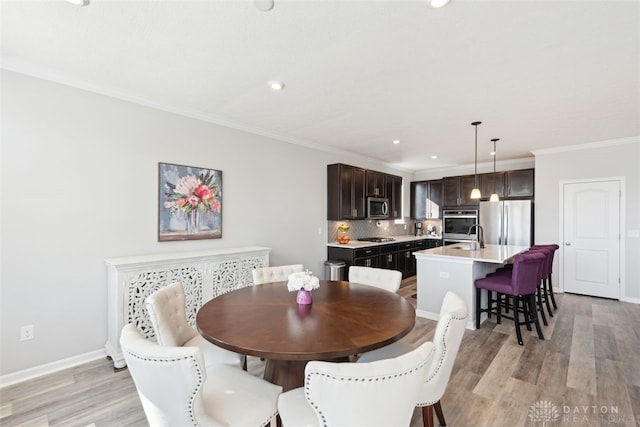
(334, 270)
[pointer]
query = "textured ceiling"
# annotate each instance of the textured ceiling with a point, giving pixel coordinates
(358, 74)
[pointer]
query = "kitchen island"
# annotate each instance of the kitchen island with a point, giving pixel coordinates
(455, 268)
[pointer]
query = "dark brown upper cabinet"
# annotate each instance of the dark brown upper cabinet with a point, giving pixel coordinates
(426, 199)
(457, 189)
(490, 182)
(348, 188)
(520, 183)
(345, 192)
(375, 184)
(393, 191)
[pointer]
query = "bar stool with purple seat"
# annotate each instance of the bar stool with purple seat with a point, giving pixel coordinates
(521, 285)
(547, 280)
(541, 292)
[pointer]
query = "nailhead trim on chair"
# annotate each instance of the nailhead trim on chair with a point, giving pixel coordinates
(388, 377)
(198, 386)
(444, 352)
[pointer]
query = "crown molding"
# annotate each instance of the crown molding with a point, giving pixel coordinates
(587, 146)
(484, 167)
(40, 73)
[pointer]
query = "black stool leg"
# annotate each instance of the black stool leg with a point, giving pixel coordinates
(534, 315)
(525, 311)
(546, 296)
(499, 297)
(516, 319)
(478, 296)
(553, 300)
(540, 307)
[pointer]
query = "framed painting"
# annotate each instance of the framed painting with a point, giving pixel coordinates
(190, 203)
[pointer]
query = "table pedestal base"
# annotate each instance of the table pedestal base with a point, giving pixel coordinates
(287, 373)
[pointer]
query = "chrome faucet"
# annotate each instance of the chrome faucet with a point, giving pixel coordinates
(480, 234)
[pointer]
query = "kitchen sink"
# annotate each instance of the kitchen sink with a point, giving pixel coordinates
(466, 247)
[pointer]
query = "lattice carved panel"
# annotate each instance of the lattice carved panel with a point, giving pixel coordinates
(229, 275)
(146, 283)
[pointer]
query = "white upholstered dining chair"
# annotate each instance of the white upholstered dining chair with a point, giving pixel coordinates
(177, 388)
(448, 336)
(166, 309)
(379, 277)
(377, 394)
(278, 273)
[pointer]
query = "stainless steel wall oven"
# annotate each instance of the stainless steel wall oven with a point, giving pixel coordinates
(456, 223)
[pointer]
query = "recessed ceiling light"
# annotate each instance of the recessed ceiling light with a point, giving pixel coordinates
(434, 157)
(276, 85)
(438, 3)
(263, 5)
(79, 2)
(396, 141)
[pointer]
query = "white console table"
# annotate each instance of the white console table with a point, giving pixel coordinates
(204, 275)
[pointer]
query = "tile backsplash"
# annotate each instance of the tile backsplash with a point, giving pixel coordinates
(378, 228)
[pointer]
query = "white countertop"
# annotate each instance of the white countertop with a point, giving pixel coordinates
(355, 244)
(497, 254)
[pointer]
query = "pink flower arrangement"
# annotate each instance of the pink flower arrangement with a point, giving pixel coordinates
(192, 193)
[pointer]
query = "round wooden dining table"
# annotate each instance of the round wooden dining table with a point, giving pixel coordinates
(344, 319)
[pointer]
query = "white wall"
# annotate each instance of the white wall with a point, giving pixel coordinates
(80, 184)
(614, 159)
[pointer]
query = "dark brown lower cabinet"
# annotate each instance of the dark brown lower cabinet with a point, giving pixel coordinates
(392, 256)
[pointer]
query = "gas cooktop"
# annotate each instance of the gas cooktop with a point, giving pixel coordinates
(376, 239)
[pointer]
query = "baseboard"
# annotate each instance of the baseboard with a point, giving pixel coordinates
(632, 300)
(436, 316)
(38, 371)
(427, 314)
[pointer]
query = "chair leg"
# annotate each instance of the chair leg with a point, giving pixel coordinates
(478, 297)
(499, 307)
(540, 307)
(516, 319)
(439, 413)
(525, 312)
(427, 416)
(534, 315)
(546, 297)
(553, 299)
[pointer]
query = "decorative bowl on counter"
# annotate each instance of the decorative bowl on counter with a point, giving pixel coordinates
(343, 237)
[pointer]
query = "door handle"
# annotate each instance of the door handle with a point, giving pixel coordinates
(567, 243)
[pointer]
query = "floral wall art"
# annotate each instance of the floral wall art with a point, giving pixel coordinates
(190, 203)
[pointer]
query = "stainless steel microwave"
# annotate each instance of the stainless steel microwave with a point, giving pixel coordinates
(377, 208)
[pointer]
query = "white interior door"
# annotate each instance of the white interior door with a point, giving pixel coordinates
(591, 238)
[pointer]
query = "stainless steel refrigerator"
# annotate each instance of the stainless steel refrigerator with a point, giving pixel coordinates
(507, 222)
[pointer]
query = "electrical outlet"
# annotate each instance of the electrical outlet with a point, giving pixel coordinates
(444, 274)
(26, 333)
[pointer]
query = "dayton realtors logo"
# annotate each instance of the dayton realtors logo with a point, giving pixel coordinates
(544, 411)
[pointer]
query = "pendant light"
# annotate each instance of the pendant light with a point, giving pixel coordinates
(494, 196)
(475, 193)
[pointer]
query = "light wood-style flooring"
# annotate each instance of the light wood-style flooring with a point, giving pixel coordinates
(585, 373)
